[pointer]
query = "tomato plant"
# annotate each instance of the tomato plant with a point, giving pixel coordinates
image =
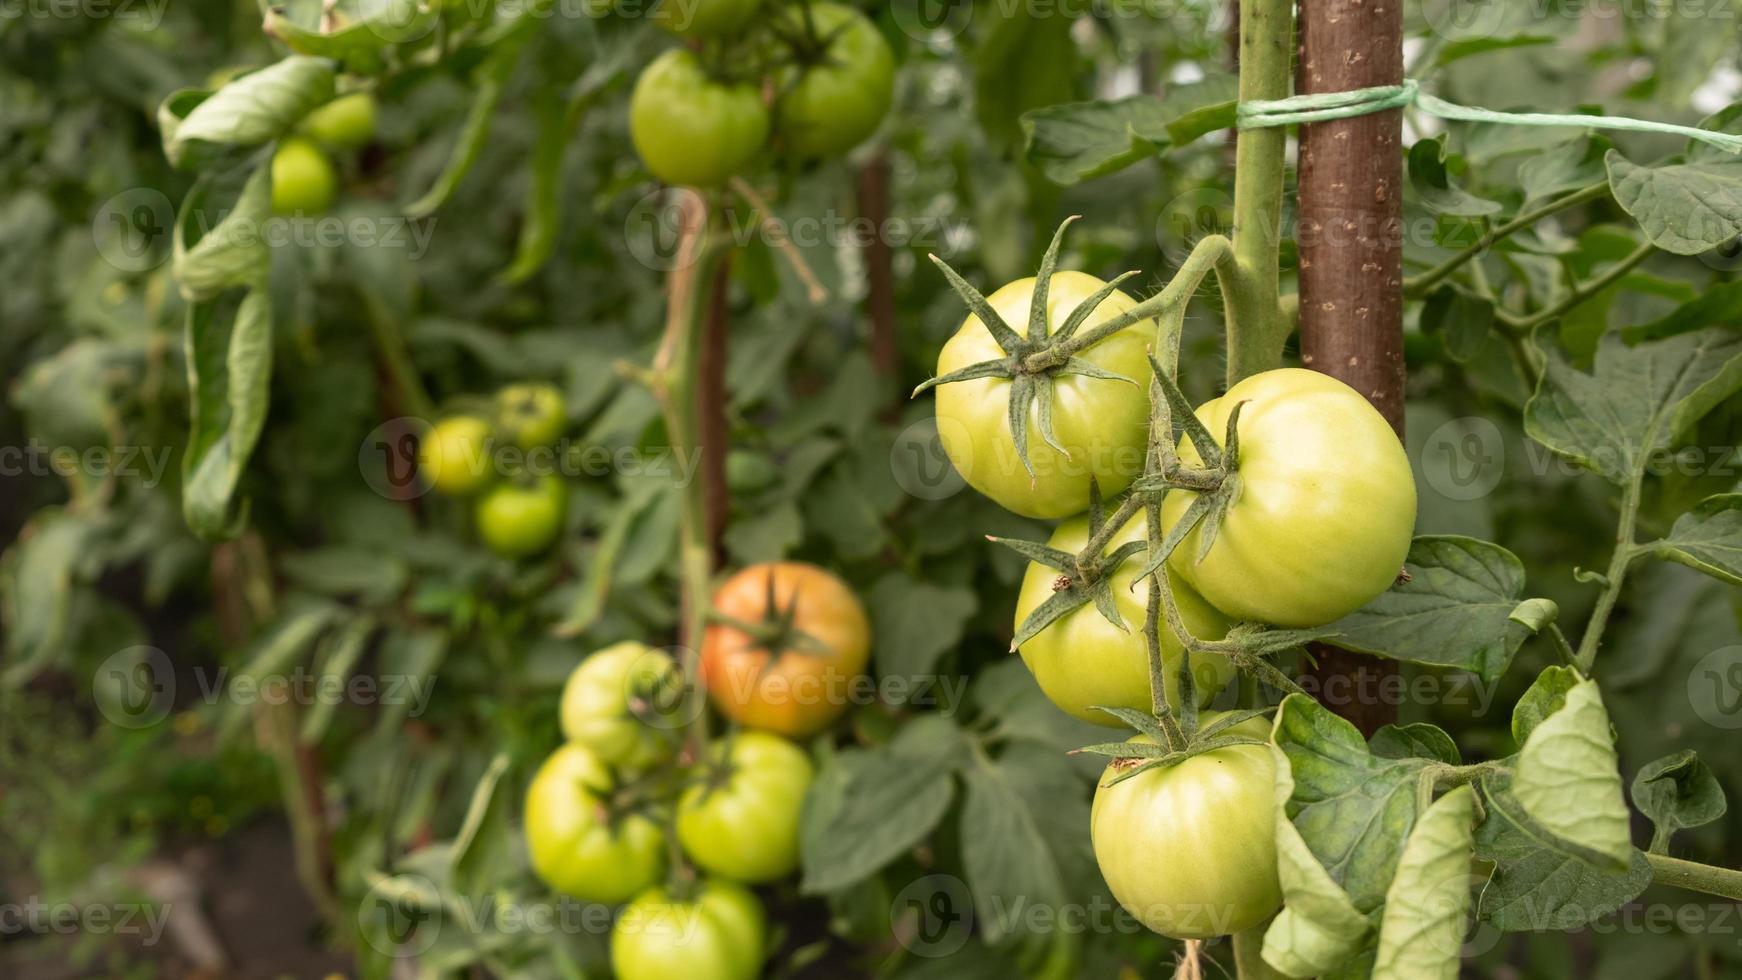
(577, 843)
(690, 128)
(346, 123)
(303, 180)
(519, 517)
(742, 820)
(718, 934)
(531, 415)
(1324, 510)
(619, 702)
(788, 643)
(455, 455)
(842, 85)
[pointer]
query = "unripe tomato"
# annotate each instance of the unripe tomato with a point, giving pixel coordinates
(835, 103)
(345, 123)
(704, 18)
(454, 456)
(1103, 424)
(720, 934)
(1190, 849)
(303, 181)
(617, 704)
(531, 414)
(1326, 503)
(691, 129)
(1082, 662)
(576, 845)
(517, 519)
(771, 681)
(742, 823)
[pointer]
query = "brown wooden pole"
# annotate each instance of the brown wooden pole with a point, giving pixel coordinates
(879, 264)
(1351, 263)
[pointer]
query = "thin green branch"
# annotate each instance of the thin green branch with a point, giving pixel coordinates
(1415, 287)
(1626, 549)
(1722, 882)
(1584, 292)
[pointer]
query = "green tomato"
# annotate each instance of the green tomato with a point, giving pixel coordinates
(719, 934)
(576, 845)
(303, 181)
(1082, 662)
(519, 519)
(454, 456)
(704, 18)
(1190, 849)
(345, 123)
(1324, 509)
(836, 102)
(617, 704)
(531, 415)
(691, 129)
(743, 824)
(1102, 423)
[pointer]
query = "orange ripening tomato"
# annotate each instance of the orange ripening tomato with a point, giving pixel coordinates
(788, 643)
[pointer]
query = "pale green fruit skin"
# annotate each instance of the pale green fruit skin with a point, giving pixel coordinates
(595, 705)
(690, 129)
(345, 123)
(1190, 849)
(834, 106)
(747, 829)
(1326, 505)
(721, 935)
(1082, 661)
(303, 180)
(1103, 424)
(704, 18)
(454, 456)
(572, 847)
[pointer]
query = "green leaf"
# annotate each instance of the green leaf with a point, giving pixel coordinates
(363, 31)
(1692, 46)
(1547, 695)
(39, 576)
(1677, 791)
(292, 637)
(1421, 936)
(1319, 927)
(250, 110)
(1461, 48)
(229, 364)
(488, 82)
(1455, 611)
(1025, 59)
(1462, 319)
(1570, 166)
(1637, 401)
(479, 848)
(232, 253)
(869, 807)
(1432, 182)
(340, 660)
(1720, 305)
(1353, 809)
(1685, 208)
(1006, 855)
(913, 623)
(1708, 538)
(1419, 740)
(1567, 780)
(1078, 141)
(1538, 885)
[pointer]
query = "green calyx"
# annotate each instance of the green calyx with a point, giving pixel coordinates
(1084, 578)
(1033, 360)
(777, 631)
(1132, 758)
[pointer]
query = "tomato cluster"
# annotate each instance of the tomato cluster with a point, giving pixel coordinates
(518, 512)
(699, 116)
(304, 180)
(604, 809)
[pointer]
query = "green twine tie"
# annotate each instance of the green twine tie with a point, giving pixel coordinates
(1359, 102)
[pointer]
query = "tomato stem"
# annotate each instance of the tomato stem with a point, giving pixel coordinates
(1712, 880)
(1256, 326)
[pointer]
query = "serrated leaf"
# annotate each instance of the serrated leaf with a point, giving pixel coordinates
(1567, 778)
(1006, 856)
(1708, 538)
(1685, 208)
(1421, 936)
(1677, 791)
(1637, 401)
(1455, 611)
(913, 623)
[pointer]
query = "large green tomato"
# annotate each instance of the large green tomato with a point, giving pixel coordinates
(454, 456)
(743, 824)
(704, 18)
(720, 934)
(575, 845)
(345, 123)
(1102, 423)
(1082, 662)
(1190, 849)
(518, 519)
(618, 701)
(1325, 506)
(303, 181)
(835, 103)
(531, 414)
(691, 129)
